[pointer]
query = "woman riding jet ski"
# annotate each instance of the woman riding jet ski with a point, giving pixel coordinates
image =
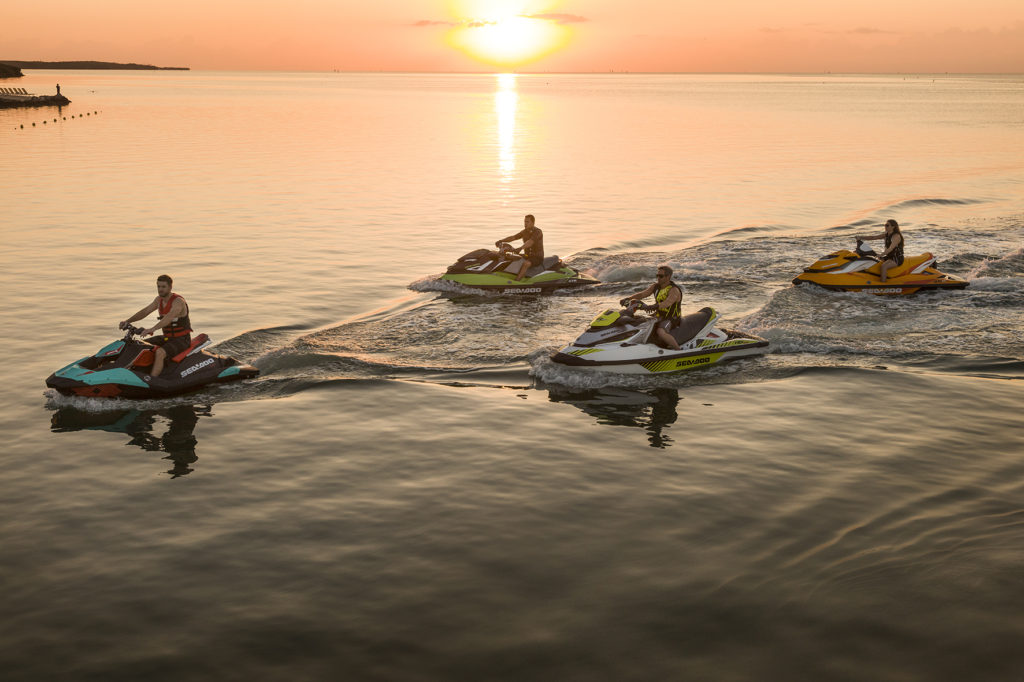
(618, 341)
(861, 269)
(122, 369)
(497, 271)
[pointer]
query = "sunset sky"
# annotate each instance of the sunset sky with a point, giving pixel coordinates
(541, 35)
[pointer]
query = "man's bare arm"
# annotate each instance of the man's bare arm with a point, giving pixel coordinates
(144, 312)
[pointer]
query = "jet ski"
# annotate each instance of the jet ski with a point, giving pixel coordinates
(497, 271)
(619, 341)
(122, 369)
(860, 270)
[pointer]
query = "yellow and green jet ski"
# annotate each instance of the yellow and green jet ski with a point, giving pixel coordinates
(619, 341)
(860, 270)
(496, 271)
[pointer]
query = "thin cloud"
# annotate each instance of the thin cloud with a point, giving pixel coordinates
(429, 22)
(859, 31)
(866, 31)
(468, 23)
(479, 23)
(558, 18)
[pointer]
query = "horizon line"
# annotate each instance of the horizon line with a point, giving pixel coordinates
(551, 73)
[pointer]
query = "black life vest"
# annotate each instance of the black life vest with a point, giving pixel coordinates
(535, 251)
(897, 253)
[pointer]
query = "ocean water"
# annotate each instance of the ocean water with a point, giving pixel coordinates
(412, 490)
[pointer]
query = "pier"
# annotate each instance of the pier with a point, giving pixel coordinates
(18, 97)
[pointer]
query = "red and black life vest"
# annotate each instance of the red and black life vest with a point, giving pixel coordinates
(179, 326)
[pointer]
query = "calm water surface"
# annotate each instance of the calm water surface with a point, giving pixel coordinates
(412, 490)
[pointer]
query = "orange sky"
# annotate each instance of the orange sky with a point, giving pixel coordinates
(570, 35)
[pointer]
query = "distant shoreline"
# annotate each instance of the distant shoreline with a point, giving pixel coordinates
(90, 65)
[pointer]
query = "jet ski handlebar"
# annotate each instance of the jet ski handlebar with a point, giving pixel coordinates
(632, 305)
(865, 251)
(130, 331)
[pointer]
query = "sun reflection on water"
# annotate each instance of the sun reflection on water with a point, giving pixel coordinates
(506, 99)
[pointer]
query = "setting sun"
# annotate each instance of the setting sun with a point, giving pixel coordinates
(505, 34)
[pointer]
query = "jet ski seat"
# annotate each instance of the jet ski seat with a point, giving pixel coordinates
(549, 263)
(909, 263)
(200, 340)
(690, 325)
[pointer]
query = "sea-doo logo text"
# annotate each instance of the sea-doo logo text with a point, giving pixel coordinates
(525, 290)
(888, 290)
(196, 368)
(695, 361)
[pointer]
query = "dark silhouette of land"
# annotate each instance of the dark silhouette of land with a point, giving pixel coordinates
(14, 101)
(87, 65)
(8, 71)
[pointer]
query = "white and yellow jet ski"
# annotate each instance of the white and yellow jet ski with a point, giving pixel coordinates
(619, 341)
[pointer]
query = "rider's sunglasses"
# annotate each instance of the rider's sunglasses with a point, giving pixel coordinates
(662, 274)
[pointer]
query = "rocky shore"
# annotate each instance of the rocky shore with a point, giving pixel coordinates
(12, 101)
(89, 65)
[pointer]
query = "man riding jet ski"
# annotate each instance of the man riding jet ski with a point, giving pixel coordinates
(618, 341)
(863, 270)
(507, 272)
(135, 369)
(123, 369)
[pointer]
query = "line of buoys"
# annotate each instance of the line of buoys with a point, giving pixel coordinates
(64, 118)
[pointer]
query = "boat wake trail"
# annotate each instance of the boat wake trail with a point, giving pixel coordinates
(449, 334)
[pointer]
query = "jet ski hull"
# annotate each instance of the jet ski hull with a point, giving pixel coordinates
(616, 344)
(652, 359)
(114, 372)
(504, 283)
(850, 271)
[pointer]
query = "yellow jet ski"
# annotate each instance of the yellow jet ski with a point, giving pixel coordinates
(860, 270)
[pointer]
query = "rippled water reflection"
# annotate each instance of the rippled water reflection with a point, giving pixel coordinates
(412, 490)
